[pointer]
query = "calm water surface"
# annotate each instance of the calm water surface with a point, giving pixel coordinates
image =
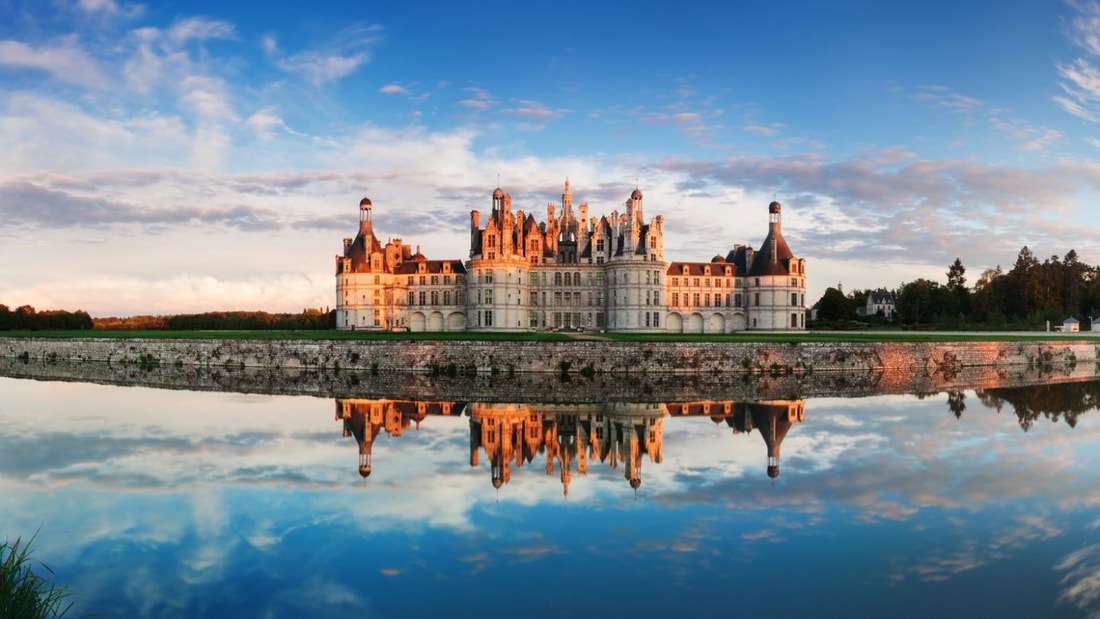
(157, 503)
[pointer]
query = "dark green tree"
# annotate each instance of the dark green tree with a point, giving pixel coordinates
(835, 306)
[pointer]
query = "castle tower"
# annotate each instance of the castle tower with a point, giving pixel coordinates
(774, 419)
(776, 282)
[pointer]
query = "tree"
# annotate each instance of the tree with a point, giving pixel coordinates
(956, 283)
(835, 306)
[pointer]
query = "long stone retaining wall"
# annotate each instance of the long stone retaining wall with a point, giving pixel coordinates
(600, 357)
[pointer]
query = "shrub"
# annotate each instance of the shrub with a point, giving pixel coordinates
(23, 593)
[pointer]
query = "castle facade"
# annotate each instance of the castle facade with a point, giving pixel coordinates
(569, 272)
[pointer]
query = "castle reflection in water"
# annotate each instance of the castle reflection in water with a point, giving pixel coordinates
(568, 438)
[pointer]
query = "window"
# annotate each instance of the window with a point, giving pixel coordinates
(656, 319)
(412, 298)
(423, 280)
(695, 282)
(675, 299)
(576, 279)
(794, 300)
(446, 280)
(675, 281)
(557, 279)
(423, 297)
(599, 279)
(534, 279)
(488, 296)
(756, 298)
(794, 320)
(489, 277)
(737, 300)
(435, 280)
(794, 283)
(696, 298)
(599, 245)
(647, 319)
(647, 301)
(706, 300)
(656, 297)
(488, 320)
(377, 280)
(706, 282)
(648, 278)
(435, 297)
(534, 299)
(533, 319)
(446, 297)
(757, 281)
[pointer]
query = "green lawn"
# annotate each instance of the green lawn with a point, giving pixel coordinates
(819, 336)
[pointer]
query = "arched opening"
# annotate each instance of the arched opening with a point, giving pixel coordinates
(456, 322)
(675, 323)
(435, 321)
(716, 324)
(416, 321)
(694, 324)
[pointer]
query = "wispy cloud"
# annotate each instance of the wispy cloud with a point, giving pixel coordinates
(763, 130)
(65, 61)
(479, 99)
(943, 98)
(1080, 83)
(393, 89)
(350, 51)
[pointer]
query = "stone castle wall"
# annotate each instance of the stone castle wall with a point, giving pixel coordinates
(589, 356)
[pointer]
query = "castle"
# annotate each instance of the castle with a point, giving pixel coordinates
(568, 272)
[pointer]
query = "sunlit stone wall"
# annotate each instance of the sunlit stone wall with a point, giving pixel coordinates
(619, 358)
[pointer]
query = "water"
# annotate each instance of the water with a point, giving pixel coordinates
(157, 503)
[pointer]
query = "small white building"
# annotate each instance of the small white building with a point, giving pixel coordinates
(1071, 325)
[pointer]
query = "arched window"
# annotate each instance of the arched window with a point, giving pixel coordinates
(557, 279)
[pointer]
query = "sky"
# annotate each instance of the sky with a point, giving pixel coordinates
(174, 157)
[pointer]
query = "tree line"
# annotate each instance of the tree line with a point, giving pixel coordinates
(26, 318)
(1029, 295)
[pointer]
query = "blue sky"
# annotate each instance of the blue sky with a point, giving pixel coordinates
(189, 156)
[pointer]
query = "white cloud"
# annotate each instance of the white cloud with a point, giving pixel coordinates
(393, 89)
(65, 61)
(200, 29)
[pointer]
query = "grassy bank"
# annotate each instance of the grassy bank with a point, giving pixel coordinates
(763, 337)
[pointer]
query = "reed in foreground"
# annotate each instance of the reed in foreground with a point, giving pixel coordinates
(25, 594)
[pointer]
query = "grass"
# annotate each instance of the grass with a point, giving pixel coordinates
(294, 335)
(891, 335)
(23, 593)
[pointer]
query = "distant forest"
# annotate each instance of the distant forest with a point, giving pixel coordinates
(26, 318)
(1027, 296)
